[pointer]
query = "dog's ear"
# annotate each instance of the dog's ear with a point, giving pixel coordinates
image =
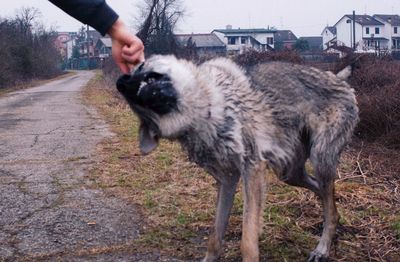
(148, 139)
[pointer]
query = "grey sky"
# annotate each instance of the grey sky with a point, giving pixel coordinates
(304, 18)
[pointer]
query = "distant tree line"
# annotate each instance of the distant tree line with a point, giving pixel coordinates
(27, 49)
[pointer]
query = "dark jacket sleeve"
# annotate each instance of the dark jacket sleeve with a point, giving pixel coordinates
(95, 13)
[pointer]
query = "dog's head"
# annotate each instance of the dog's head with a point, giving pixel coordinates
(155, 92)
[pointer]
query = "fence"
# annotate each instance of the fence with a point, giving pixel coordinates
(83, 63)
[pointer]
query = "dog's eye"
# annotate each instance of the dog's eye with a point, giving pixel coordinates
(151, 80)
(153, 77)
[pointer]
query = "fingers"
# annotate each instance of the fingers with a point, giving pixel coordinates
(125, 68)
(127, 49)
(133, 59)
(132, 48)
(132, 52)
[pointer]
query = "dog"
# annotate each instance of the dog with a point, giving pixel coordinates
(237, 123)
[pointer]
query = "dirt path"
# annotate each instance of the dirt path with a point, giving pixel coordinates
(49, 209)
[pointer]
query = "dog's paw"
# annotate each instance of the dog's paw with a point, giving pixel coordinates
(316, 256)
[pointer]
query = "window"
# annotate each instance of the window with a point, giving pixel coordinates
(232, 40)
(377, 30)
(396, 44)
(395, 30)
(243, 40)
(270, 40)
(374, 44)
(367, 30)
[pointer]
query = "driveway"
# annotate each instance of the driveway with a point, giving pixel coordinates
(49, 208)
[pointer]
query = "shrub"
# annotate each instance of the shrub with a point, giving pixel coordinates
(26, 51)
(252, 57)
(377, 84)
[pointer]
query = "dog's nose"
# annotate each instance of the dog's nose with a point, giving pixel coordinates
(122, 82)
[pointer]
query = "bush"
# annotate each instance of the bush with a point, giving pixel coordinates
(26, 52)
(252, 57)
(377, 84)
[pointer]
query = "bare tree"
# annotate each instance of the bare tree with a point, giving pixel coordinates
(26, 18)
(158, 22)
(26, 48)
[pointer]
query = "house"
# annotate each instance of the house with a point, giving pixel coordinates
(102, 48)
(92, 36)
(328, 37)
(205, 44)
(61, 42)
(392, 30)
(369, 33)
(284, 39)
(70, 44)
(314, 42)
(238, 40)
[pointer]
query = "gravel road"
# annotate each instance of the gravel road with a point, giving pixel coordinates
(49, 209)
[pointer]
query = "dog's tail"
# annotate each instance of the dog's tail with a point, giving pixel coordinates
(346, 67)
(345, 73)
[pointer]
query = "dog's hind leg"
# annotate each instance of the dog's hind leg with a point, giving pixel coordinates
(325, 173)
(254, 192)
(331, 217)
(226, 194)
(295, 174)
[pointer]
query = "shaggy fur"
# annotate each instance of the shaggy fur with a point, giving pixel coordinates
(236, 124)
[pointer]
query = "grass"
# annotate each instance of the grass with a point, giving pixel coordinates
(177, 199)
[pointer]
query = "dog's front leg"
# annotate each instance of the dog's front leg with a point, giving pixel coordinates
(226, 194)
(254, 191)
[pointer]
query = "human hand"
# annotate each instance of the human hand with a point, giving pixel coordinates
(127, 49)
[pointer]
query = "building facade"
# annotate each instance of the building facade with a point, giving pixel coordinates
(239, 40)
(372, 33)
(205, 44)
(392, 30)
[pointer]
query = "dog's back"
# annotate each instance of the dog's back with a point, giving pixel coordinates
(281, 107)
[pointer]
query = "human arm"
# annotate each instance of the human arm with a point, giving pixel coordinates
(96, 13)
(127, 49)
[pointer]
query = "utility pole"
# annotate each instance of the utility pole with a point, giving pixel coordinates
(354, 30)
(88, 46)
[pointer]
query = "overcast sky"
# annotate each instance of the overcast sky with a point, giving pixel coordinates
(304, 18)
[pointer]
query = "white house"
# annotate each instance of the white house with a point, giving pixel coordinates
(392, 29)
(369, 33)
(328, 37)
(238, 40)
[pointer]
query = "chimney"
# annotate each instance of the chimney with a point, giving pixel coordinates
(229, 27)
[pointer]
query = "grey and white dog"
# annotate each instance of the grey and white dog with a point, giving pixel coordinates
(236, 123)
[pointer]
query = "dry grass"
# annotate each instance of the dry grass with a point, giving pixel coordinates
(177, 199)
